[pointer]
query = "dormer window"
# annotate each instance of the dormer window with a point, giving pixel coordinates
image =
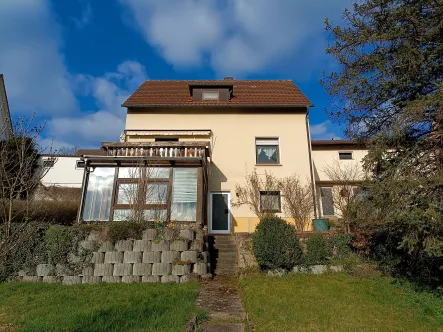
(211, 95)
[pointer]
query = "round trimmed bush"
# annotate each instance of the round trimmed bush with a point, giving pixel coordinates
(275, 244)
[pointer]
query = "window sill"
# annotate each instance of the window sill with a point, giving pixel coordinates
(270, 164)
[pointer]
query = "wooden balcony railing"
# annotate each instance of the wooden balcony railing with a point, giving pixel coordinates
(158, 149)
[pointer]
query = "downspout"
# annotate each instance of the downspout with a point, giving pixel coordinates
(85, 177)
(311, 163)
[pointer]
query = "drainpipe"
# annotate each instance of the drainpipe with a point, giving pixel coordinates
(85, 176)
(311, 163)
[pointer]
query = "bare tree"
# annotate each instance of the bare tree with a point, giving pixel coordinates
(20, 173)
(68, 150)
(345, 176)
(253, 193)
(298, 200)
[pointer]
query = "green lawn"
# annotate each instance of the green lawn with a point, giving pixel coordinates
(104, 307)
(338, 302)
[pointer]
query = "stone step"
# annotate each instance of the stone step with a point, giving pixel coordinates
(223, 252)
(222, 246)
(225, 255)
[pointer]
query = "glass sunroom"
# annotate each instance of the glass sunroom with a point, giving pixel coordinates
(152, 181)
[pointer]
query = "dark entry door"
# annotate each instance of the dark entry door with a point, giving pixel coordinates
(220, 213)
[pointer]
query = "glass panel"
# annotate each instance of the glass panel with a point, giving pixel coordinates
(151, 172)
(157, 172)
(210, 95)
(270, 201)
(122, 215)
(220, 212)
(129, 172)
(156, 193)
(98, 195)
(345, 155)
(127, 193)
(327, 201)
(184, 194)
(267, 154)
(155, 214)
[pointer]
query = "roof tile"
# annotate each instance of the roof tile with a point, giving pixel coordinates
(245, 93)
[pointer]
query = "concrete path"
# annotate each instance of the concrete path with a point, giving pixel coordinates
(221, 299)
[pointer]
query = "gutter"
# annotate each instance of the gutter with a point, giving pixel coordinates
(311, 163)
(230, 105)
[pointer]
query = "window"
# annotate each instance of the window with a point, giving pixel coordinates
(166, 139)
(327, 201)
(127, 193)
(147, 172)
(48, 163)
(184, 194)
(359, 193)
(210, 95)
(156, 193)
(79, 164)
(267, 151)
(97, 204)
(345, 155)
(270, 201)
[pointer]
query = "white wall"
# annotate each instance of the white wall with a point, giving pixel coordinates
(63, 173)
(323, 158)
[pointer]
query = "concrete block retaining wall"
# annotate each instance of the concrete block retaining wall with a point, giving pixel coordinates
(169, 256)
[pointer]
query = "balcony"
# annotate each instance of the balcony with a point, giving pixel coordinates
(158, 150)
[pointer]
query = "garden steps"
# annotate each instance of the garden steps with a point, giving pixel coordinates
(223, 253)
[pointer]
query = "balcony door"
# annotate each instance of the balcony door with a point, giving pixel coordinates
(220, 213)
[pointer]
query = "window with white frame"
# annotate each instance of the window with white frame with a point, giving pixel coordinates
(345, 156)
(267, 151)
(270, 201)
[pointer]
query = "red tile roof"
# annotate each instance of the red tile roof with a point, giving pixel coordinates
(246, 93)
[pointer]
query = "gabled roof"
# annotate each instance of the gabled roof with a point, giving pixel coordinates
(245, 93)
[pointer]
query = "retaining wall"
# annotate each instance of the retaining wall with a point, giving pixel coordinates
(160, 256)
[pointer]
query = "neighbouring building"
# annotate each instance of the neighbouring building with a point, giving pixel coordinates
(195, 141)
(5, 115)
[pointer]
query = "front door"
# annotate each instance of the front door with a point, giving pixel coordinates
(220, 213)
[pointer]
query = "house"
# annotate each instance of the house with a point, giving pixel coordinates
(195, 141)
(5, 115)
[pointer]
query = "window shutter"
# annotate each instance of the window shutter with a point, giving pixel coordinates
(224, 95)
(266, 141)
(197, 94)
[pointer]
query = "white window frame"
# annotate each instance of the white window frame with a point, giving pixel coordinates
(258, 138)
(351, 152)
(263, 192)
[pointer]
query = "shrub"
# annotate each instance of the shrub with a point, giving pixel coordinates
(125, 230)
(54, 212)
(339, 246)
(316, 250)
(275, 244)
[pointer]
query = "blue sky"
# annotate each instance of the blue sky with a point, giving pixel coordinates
(74, 62)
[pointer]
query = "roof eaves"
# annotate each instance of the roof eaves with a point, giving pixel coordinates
(236, 105)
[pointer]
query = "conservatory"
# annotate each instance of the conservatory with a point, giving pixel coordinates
(147, 181)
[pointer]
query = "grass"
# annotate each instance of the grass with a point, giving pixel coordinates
(104, 307)
(338, 302)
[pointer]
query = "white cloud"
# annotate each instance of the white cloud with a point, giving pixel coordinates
(85, 17)
(324, 130)
(237, 36)
(35, 74)
(109, 92)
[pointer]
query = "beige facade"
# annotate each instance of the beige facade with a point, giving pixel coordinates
(232, 136)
